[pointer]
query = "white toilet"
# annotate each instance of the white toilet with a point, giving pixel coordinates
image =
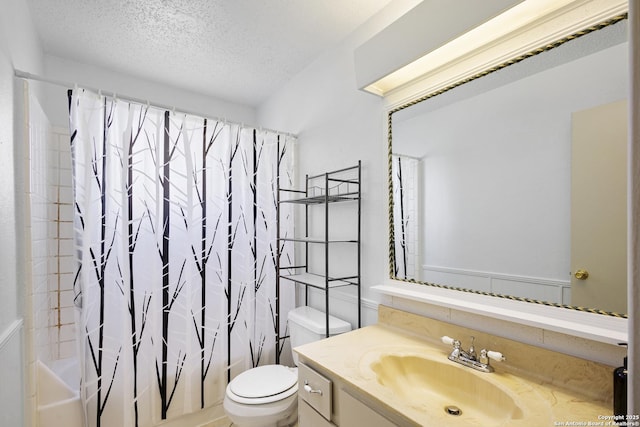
(266, 396)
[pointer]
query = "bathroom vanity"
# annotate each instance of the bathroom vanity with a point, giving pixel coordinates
(397, 372)
(332, 401)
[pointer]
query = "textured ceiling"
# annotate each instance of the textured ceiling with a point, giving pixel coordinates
(236, 50)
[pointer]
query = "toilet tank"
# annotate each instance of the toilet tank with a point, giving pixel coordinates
(306, 324)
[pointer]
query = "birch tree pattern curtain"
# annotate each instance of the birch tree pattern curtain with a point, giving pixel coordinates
(405, 178)
(175, 220)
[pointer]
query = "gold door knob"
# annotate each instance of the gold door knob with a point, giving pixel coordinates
(582, 274)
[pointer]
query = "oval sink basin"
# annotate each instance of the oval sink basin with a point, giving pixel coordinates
(458, 391)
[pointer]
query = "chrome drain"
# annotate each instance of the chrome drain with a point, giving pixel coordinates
(453, 410)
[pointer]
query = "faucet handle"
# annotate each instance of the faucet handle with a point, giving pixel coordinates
(472, 349)
(448, 340)
(495, 355)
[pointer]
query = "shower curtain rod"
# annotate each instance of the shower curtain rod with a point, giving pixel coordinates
(29, 76)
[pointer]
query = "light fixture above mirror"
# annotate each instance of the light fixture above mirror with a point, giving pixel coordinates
(521, 30)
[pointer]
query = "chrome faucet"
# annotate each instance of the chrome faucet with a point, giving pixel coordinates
(469, 358)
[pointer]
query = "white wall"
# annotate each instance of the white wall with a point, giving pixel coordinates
(11, 332)
(19, 47)
(338, 125)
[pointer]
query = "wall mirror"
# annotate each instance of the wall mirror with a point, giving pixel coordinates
(513, 184)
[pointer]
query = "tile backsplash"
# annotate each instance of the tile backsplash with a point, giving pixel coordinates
(53, 261)
(61, 276)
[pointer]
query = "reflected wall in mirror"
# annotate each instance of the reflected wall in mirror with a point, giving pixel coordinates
(492, 191)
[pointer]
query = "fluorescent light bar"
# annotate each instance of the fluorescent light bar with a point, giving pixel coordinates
(503, 25)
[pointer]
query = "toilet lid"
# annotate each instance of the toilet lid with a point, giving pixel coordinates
(263, 381)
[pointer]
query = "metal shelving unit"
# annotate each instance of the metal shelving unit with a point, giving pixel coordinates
(323, 190)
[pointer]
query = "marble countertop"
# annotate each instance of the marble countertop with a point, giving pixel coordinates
(542, 403)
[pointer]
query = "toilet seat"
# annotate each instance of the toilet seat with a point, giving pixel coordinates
(264, 384)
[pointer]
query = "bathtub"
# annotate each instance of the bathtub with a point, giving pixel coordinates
(58, 399)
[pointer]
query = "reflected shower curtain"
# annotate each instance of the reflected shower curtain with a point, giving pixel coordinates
(405, 172)
(175, 220)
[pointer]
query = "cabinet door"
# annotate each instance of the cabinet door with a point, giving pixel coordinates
(308, 417)
(354, 413)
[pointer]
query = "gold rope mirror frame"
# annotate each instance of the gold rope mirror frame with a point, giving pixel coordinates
(392, 255)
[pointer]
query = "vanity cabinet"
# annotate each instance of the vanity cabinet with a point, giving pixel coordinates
(354, 413)
(308, 417)
(396, 373)
(325, 400)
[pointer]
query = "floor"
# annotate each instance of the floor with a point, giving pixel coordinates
(225, 422)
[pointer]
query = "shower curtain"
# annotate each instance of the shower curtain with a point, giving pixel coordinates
(175, 223)
(405, 172)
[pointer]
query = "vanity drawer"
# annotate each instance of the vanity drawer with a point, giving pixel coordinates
(315, 389)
